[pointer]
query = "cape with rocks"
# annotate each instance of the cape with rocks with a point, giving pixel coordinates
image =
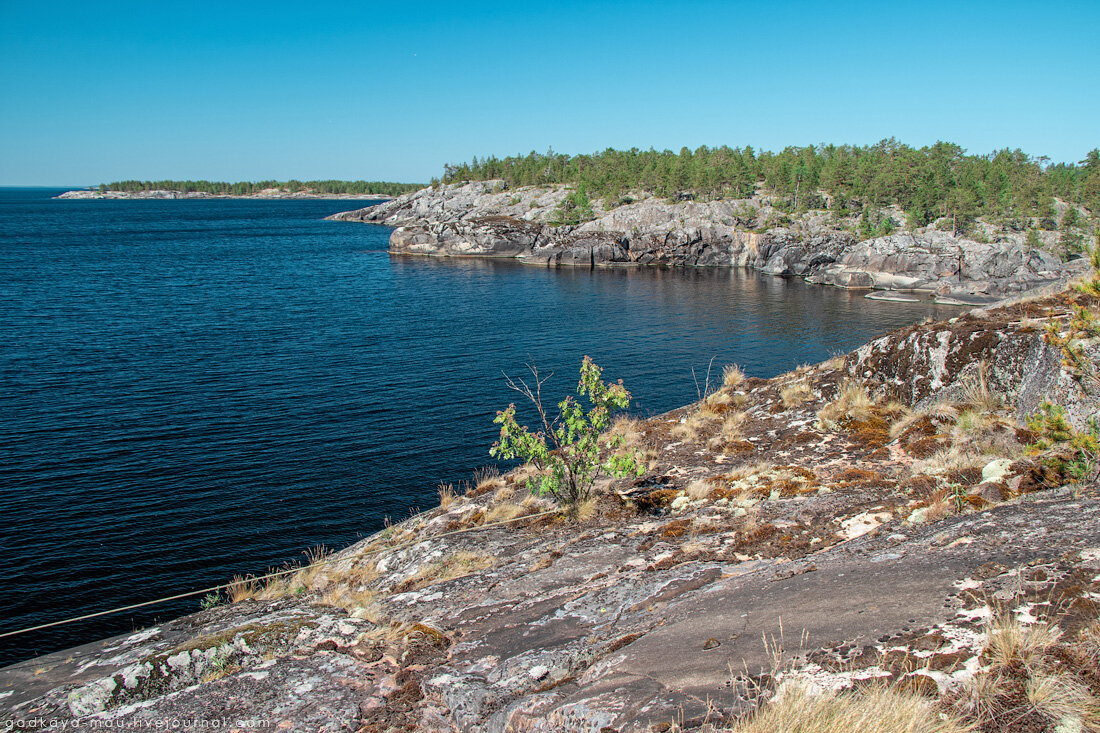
(486, 219)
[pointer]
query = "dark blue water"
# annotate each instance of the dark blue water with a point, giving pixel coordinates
(196, 389)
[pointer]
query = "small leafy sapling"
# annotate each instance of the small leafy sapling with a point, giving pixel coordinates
(566, 450)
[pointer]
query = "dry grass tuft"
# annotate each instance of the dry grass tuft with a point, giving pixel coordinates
(456, 565)
(629, 431)
(1027, 683)
(717, 403)
(504, 512)
(749, 470)
(732, 376)
(938, 415)
(688, 430)
(485, 480)
(446, 495)
(974, 421)
(976, 391)
(1008, 642)
(699, 489)
(875, 709)
(586, 510)
(243, 589)
(1060, 697)
(852, 403)
(505, 493)
(795, 394)
(517, 477)
(362, 602)
(729, 432)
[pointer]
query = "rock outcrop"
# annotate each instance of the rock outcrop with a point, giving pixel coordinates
(485, 219)
(882, 506)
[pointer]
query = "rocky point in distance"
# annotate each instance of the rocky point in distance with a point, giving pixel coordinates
(270, 193)
(488, 219)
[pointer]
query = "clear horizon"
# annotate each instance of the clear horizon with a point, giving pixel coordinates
(285, 91)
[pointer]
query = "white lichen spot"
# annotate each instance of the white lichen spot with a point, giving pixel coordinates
(863, 523)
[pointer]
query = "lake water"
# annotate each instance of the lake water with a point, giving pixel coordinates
(197, 389)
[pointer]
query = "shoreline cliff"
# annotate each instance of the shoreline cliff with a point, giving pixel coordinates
(898, 509)
(488, 219)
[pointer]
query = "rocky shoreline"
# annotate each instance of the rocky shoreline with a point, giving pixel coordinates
(90, 194)
(486, 219)
(868, 519)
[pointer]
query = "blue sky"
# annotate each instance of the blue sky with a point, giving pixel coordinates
(104, 91)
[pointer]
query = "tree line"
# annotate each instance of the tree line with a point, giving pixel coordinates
(1008, 187)
(247, 188)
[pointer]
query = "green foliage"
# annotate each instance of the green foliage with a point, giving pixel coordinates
(566, 451)
(1050, 424)
(575, 208)
(1083, 325)
(1054, 430)
(1071, 243)
(1092, 285)
(246, 188)
(210, 600)
(928, 183)
(1071, 218)
(876, 225)
(958, 497)
(1032, 239)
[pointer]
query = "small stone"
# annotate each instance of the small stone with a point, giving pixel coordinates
(711, 643)
(863, 523)
(947, 662)
(996, 470)
(538, 672)
(989, 491)
(989, 570)
(920, 684)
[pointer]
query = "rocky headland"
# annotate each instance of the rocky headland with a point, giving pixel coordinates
(488, 219)
(919, 518)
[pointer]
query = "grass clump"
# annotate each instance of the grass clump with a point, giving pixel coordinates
(1026, 683)
(729, 432)
(456, 565)
(732, 376)
(446, 495)
(853, 403)
(627, 432)
(875, 709)
(857, 413)
(717, 403)
(690, 428)
(795, 394)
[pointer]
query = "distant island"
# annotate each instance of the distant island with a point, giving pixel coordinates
(963, 228)
(243, 189)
